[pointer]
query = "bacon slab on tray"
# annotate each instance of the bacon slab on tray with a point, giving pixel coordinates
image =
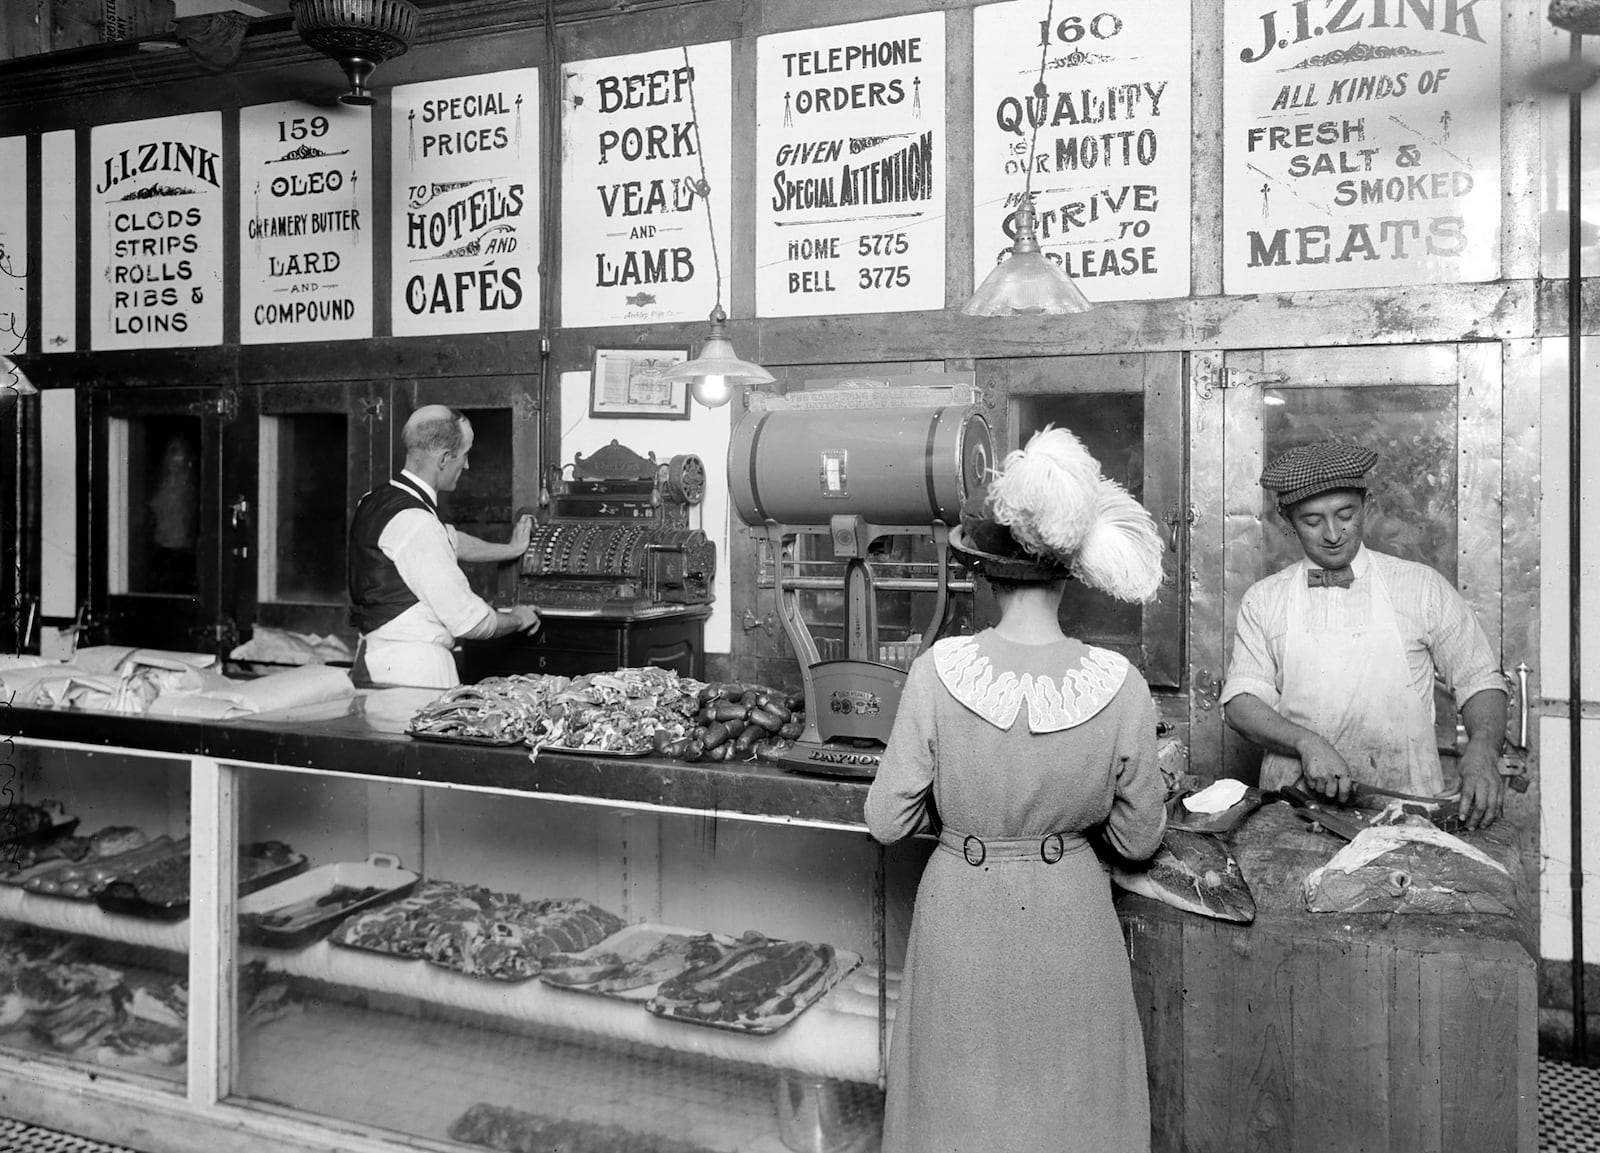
(753, 985)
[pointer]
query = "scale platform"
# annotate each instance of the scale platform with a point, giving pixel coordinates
(831, 759)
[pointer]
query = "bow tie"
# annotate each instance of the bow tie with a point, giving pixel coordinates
(1333, 578)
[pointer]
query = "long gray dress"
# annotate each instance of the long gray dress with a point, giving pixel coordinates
(1016, 1028)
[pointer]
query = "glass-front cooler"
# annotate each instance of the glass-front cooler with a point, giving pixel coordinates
(94, 888)
(495, 970)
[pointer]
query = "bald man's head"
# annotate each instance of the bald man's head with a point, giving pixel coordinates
(437, 440)
(434, 428)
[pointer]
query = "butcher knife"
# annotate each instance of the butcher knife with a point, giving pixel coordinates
(1357, 790)
(1314, 813)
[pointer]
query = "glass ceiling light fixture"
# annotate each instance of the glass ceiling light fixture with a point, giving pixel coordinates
(359, 34)
(717, 372)
(1027, 282)
(14, 385)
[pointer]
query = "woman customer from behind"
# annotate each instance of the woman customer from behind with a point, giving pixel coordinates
(1016, 1027)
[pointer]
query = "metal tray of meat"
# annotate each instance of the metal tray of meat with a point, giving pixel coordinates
(843, 962)
(60, 825)
(602, 969)
(83, 880)
(462, 739)
(294, 913)
(125, 896)
(592, 752)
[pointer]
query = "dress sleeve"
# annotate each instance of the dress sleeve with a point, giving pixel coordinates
(1138, 805)
(899, 801)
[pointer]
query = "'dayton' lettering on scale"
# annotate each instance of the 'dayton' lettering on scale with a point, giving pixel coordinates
(850, 168)
(305, 223)
(466, 204)
(1361, 146)
(155, 195)
(1110, 140)
(635, 245)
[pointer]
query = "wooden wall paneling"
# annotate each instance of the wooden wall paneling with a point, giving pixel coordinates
(1243, 459)
(959, 274)
(24, 28)
(1522, 30)
(1205, 178)
(1204, 544)
(1340, 1066)
(1166, 495)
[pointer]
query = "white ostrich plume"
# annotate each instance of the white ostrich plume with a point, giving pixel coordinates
(1046, 494)
(1121, 555)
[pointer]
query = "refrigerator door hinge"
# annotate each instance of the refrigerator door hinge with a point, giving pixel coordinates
(1206, 378)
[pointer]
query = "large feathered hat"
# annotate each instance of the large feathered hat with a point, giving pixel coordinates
(1049, 513)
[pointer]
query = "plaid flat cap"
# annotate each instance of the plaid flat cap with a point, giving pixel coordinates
(1318, 467)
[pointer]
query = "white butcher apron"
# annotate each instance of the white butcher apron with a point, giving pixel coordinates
(419, 663)
(1352, 687)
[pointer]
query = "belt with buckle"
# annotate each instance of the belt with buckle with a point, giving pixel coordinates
(975, 850)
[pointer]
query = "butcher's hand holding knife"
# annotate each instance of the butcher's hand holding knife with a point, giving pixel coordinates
(1335, 656)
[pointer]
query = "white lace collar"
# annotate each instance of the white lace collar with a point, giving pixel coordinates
(1054, 703)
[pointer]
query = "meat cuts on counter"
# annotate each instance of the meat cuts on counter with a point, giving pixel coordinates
(509, 941)
(1194, 872)
(629, 965)
(754, 985)
(495, 711)
(519, 1131)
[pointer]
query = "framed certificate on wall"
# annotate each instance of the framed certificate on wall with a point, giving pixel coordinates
(627, 382)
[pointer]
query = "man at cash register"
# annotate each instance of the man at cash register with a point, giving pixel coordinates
(1334, 657)
(409, 599)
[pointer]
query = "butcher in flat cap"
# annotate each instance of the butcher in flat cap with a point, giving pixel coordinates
(1334, 657)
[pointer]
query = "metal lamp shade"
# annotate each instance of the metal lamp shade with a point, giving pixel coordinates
(1580, 16)
(713, 376)
(1026, 282)
(359, 34)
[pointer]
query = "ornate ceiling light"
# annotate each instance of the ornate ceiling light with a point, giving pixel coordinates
(359, 34)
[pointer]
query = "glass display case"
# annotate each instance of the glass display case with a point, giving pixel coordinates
(431, 946)
(89, 978)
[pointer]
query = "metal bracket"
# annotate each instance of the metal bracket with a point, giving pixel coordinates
(1207, 689)
(372, 407)
(751, 622)
(525, 407)
(225, 404)
(1173, 517)
(1205, 378)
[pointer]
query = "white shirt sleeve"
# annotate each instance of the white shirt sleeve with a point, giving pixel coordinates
(422, 548)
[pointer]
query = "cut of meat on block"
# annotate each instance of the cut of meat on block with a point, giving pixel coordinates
(519, 1131)
(754, 985)
(1410, 869)
(1194, 872)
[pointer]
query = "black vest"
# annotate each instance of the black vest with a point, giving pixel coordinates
(377, 592)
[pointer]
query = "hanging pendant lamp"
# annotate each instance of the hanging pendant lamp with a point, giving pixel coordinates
(716, 373)
(1027, 282)
(359, 34)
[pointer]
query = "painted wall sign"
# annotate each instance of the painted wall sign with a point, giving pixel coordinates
(58, 242)
(1361, 143)
(1110, 140)
(635, 245)
(305, 223)
(155, 200)
(850, 168)
(465, 231)
(14, 244)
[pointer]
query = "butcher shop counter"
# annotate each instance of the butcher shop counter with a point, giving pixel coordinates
(1325, 1032)
(381, 1054)
(348, 738)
